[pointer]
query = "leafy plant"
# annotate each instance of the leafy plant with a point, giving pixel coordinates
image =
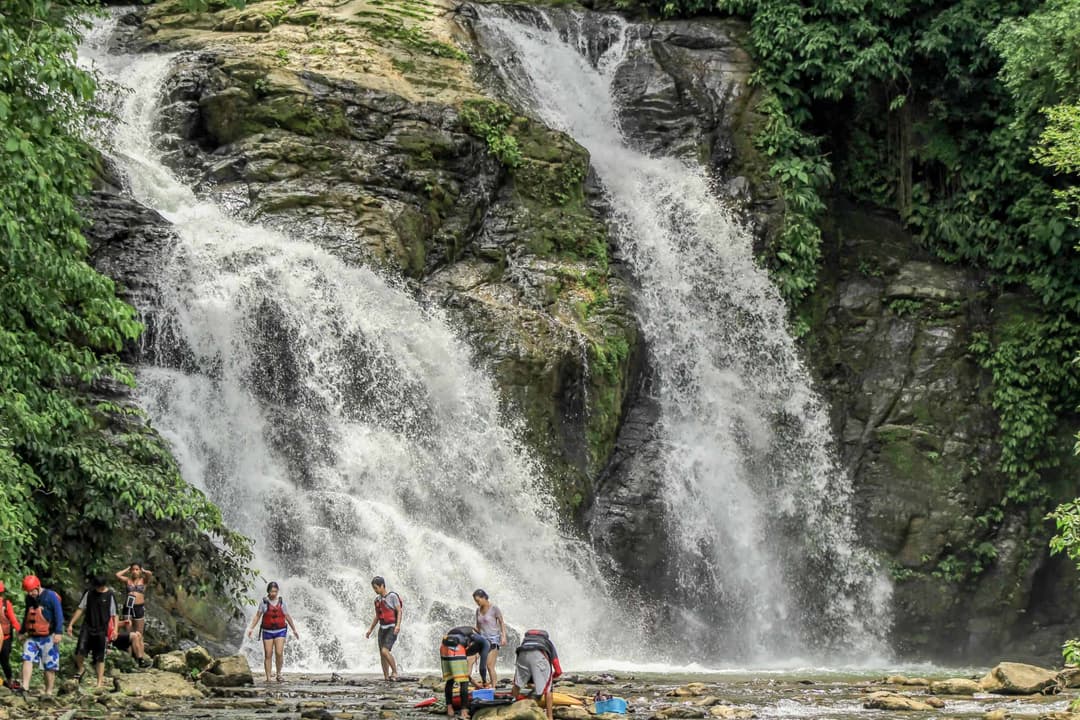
(75, 469)
(491, 121)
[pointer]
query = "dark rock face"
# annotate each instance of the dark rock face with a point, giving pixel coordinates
(912, 413)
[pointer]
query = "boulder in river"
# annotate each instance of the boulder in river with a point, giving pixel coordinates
(1069, 677)
(157, 684)
(173, 662)
(731, 713)
(521, 710)
(694, 689)
(955, 686)
(1010, 678)
(198, 658)
(679, 712)
(232, 671)
(895, 702)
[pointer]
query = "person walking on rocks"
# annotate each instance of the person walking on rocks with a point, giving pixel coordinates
(275, 623)
(98, 605)
(136, 578)
(42, 630)
(537, 663)
(9, 626)
(388, 612)
(490, 624)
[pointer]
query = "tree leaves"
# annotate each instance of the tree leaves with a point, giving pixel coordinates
(71, 465)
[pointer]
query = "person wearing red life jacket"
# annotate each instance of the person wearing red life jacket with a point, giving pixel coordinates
(42, 632)
(389, 609)
(538, 663)
(98, 606)
(9, 626)
(274, 621)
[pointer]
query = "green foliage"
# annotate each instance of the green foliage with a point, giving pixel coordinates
(74, 468)
(491, 120)
(1070, 652)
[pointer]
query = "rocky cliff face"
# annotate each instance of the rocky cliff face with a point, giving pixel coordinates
(911, 407)
(358, 125)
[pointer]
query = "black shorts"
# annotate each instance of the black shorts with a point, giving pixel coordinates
(135, 612)
(123, 643)
(92, 645)
(387, 638)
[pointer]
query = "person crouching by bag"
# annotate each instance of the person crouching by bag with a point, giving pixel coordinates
(43, 628)
(453, 659)
(538, 663)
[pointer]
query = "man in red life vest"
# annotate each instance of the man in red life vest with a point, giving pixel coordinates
(388, 611)
(43, 628)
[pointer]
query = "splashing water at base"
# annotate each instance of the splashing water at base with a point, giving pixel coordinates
(764, 557)
(343, 427)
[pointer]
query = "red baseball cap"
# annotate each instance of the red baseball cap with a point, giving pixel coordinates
(30, 582)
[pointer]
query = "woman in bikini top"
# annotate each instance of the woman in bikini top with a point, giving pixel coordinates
(135, 576)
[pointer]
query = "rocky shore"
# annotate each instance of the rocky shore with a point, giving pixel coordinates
(183, 685)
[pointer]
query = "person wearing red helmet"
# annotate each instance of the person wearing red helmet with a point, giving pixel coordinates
(9, 625)
(42, 631)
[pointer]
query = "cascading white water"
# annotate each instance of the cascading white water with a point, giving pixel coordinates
(757, 503)
(344, 428)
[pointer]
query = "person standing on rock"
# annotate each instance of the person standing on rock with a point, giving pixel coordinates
(538, 663)
(135, 577)
(388, 612)
(490, 624)
(42, 630)
(275, 623)
(9, 626)
(98, 605)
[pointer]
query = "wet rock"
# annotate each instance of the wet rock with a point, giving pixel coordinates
(521, 710)
(731, 713)
(1069, 678)
(1009, 678)
(955, 686)
(706, 701)
(694, 689)
(934, 702)
(198, 658)
(174, 662)
(895, 702)
(571, 712)
(904, 680)
(997, 715)
(157, 683)
(232, 671)
(148, 706)
(679, 711)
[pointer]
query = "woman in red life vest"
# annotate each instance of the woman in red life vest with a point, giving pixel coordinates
(9, 625)
(274, 621)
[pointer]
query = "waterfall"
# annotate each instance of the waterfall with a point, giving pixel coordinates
(762, 551)
(344, 427)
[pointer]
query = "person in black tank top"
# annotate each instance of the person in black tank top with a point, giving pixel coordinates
(98, 607)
